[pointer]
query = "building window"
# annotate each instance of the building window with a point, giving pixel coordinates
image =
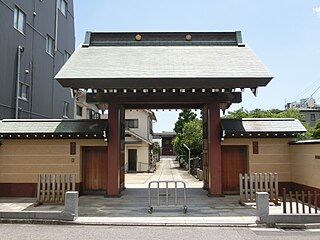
(79, 111)
(65, 109)
(62, 6)
(23, 91)
(313, 117)
(66, 56)
(132, 123)
(19, 20)
(49, 45)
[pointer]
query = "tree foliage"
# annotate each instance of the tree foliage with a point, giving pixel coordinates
(177, 145)
(156, 148)
(188, 131)
(185, 116)
(192, 136)
(316, 131)
(272, 113)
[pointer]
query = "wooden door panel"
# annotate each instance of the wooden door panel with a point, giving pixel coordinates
(234, 162)
(94, 169)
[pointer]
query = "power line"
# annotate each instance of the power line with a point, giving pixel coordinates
(304, 92)
(307, 99)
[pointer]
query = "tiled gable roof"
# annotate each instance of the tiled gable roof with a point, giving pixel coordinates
(266, 126)
(209, 60)
(54, 127)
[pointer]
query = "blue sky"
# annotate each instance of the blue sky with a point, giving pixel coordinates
(284, 34)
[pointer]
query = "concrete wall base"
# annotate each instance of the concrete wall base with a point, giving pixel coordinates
(70, 212)
(48, 215)
(289, 218)
(263, 216)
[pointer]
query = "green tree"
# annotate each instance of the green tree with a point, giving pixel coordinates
(273, 113)
(316, 132)
(309, 134)
(240, 113)
(192, 136)
(185, 116)
(156, 148)
(258, 113)
(177, 145)
(188, 129)
(291, 113)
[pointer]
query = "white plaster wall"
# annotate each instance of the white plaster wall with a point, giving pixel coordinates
(305, 164)
(143, 118)
(82, 102)
(142, 156)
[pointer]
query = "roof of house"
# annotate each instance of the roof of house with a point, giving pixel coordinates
(39, 128)
(193, 60)
(150, 112)
(317, 109)
(261, 127)
(53, 128)
(137, 136)
(164, 134)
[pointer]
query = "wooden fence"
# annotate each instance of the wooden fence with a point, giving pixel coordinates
(301, 201)
(51, 188)
(258, 182)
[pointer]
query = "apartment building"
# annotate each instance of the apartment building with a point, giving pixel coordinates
(37, 38)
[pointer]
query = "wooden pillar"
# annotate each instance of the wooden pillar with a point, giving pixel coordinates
(114, 150)
(122, 147)
(205, 153)
(214, 149)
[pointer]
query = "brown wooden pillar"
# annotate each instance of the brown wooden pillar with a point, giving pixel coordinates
(114, 150)
(214, 150)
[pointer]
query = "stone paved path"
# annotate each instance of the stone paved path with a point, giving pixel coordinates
(167, 170)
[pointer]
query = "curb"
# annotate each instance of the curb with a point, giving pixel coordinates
(238, 225)
(297, 225)
(150, 224)
(33, 221)
(160, 224)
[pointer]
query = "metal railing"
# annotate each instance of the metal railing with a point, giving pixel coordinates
(167, 185)
(140, 167)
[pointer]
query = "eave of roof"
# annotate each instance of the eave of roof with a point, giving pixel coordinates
(165, 134)
(127, 131)
(305, 142)
(151, 114)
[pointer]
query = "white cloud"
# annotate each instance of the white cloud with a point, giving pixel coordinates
(316, 10)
